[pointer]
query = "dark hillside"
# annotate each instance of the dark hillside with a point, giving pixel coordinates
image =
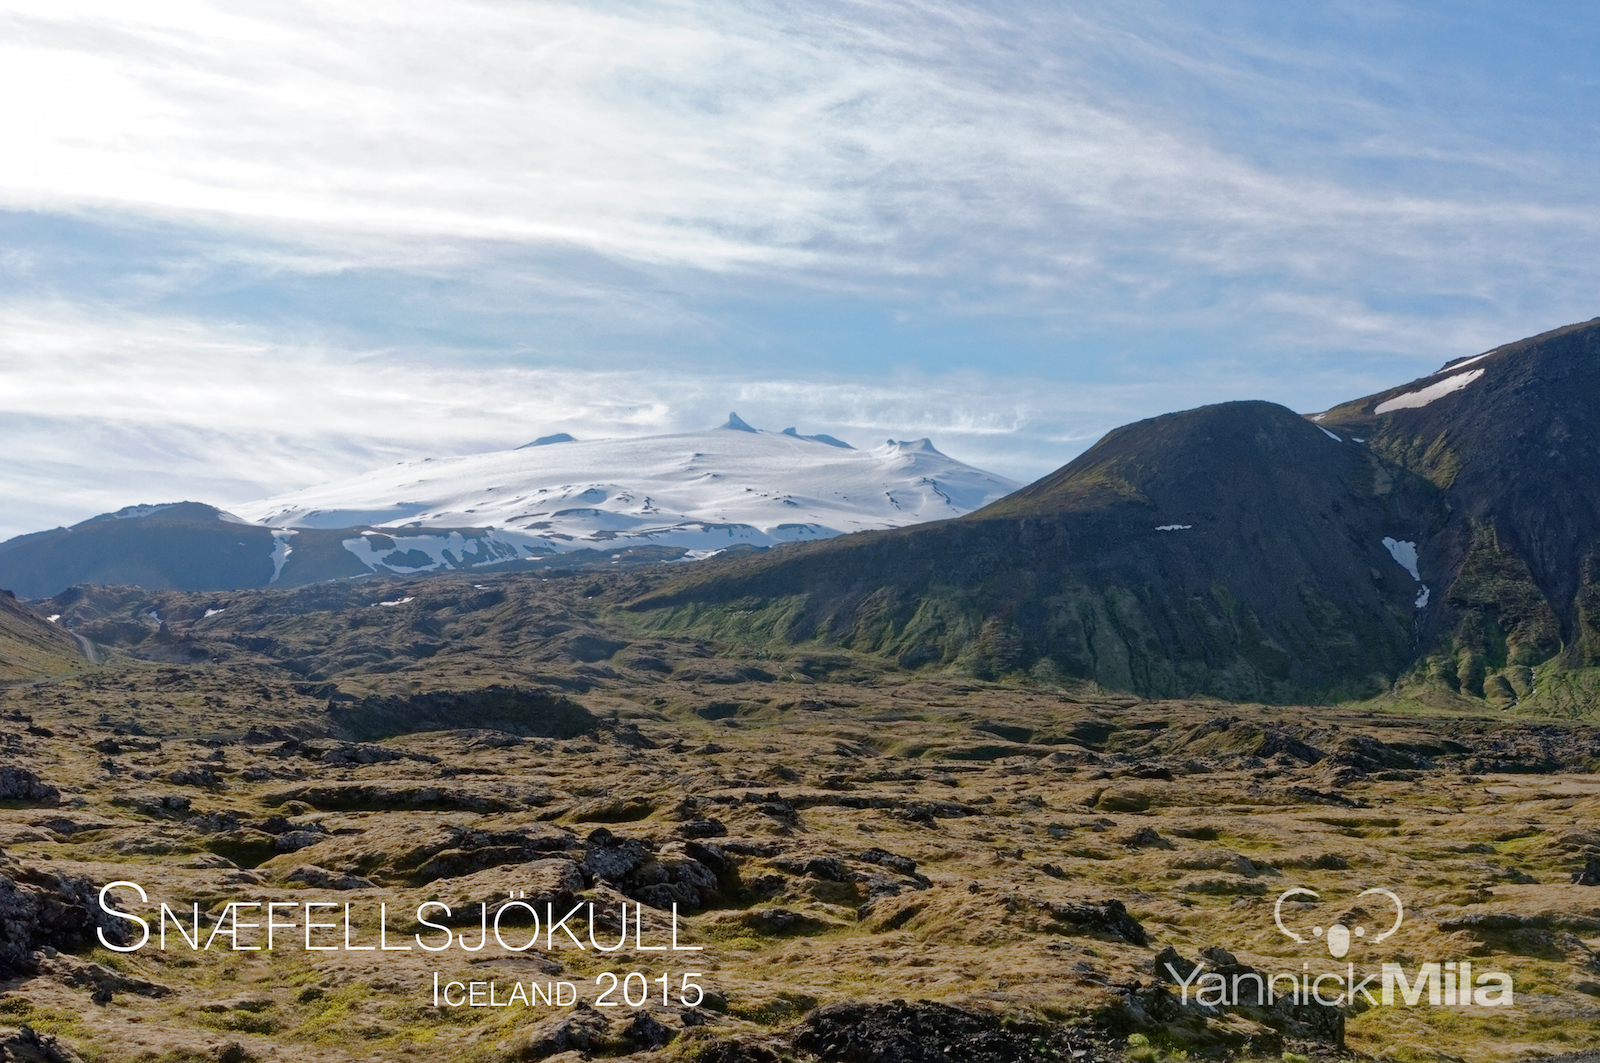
(1517, 450)
(1233, 550)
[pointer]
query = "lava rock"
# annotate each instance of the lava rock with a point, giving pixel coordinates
(40, 908)
(321, 878)
(583, 1030)
(23, 1045)
(643, 1032)
(1106, 917)
(927, 1032)
(702, 828)
(902, 865)
(19, 784)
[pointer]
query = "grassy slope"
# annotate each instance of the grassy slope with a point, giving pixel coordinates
(30, 646)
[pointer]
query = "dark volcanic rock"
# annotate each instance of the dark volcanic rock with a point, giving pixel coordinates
(24, 1045)
(583, 1030)
(701, 828)
(1156, 1006)
(903, 865)
(462, 852)
(378, 797)
(730, 1051)
(644, 1032)
(514, 710)
(779, 922)
(1107, 917)
(100, 980)
(927, 1032)
(322, 878)
(40, 908)
(613, 859)
(19, 784)
(673, 876)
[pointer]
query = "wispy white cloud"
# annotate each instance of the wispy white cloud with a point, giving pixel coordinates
(845, 143)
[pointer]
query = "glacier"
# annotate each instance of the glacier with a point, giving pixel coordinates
(699, 491)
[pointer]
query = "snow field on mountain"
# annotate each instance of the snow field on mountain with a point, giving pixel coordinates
(702, 491)
(1413, 400)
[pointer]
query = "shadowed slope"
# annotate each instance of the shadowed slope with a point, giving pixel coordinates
(1233, 550)
(1513, 437)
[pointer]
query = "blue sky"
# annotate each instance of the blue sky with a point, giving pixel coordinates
(248, 247)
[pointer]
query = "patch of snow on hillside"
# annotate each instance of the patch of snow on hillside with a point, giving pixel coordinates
(454, 550)
(1413, 400)
(140, 512)
(53, 617)
(1465, 362)
(694, 555)
(1404, 554)
(1173, 527)
(399, 601)
(281, 550)
(211, 613)
(1330, 435)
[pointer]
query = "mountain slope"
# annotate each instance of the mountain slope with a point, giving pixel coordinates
(196, 547)
(1513, 438)
(1445, 532)
(700, 491)
(30, 646)
(1234, 550)
(180, 546)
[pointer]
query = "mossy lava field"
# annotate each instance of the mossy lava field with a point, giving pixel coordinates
(742, 854)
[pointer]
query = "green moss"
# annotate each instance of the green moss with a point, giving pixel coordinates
(58, 1022)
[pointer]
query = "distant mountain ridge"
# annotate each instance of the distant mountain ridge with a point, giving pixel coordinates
(1442, 535)
(556, 501)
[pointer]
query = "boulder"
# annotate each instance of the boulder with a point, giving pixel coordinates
(40, 908)
(19, 784)
(677, 875)
(1106, 918)
(23, 1045)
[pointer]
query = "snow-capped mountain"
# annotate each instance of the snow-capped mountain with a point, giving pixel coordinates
(700, 491)
(600, 502)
